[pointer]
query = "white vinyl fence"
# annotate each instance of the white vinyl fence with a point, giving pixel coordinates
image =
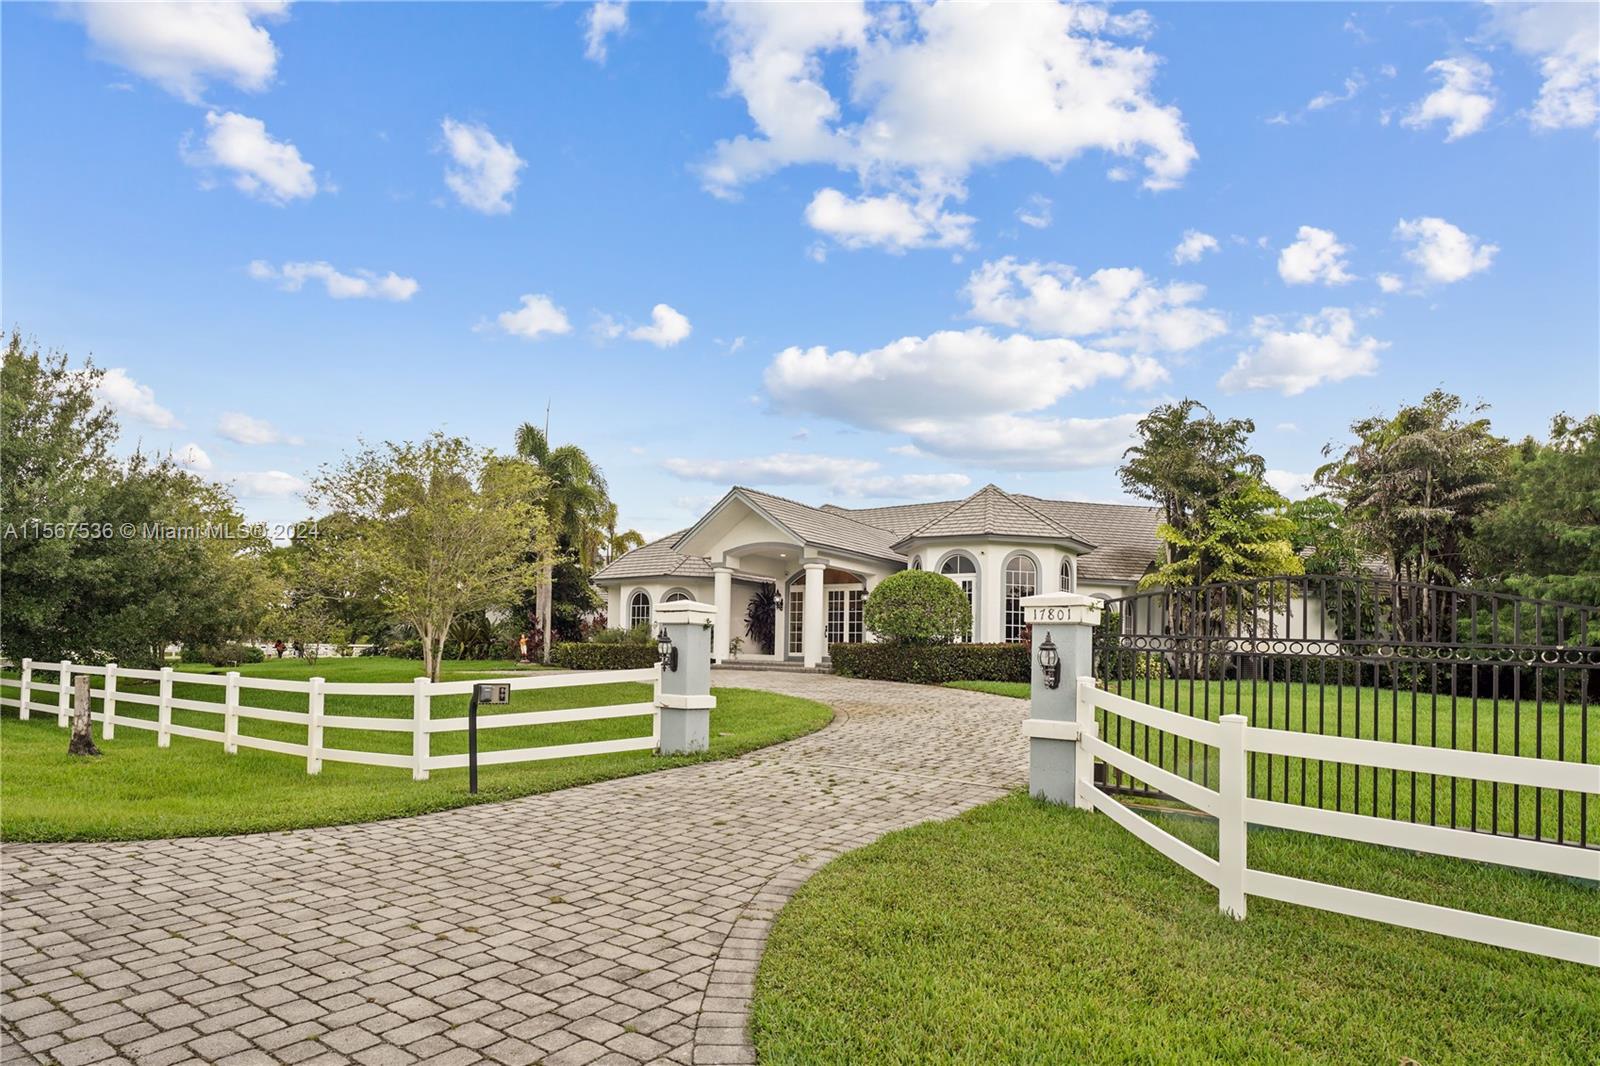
(1234, 809)
(233, 692)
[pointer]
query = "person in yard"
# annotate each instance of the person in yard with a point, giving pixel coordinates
(278, 647)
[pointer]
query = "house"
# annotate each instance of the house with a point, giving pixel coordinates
(997, 546)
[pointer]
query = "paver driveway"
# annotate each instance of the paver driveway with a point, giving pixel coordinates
(614, 923)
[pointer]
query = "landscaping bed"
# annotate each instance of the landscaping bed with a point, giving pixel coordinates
(1027, 933)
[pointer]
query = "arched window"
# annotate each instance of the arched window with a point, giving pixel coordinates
(1069, 574)
(964, 572)
(676, 595)
(639, 610)
(1022, 579)
(916, 563)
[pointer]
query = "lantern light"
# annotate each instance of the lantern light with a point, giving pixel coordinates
(1050, 662)
(667, 650)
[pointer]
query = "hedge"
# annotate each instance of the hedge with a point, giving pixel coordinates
(932, 664)
(576, 656)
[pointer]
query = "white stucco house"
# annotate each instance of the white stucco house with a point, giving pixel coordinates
(998, 546)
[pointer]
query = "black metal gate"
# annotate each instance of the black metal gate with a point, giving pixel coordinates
(1372, 658)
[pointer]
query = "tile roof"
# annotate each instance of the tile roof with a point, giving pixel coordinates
(1124, 535)
(656, 559)
(993, 512)
(830, 529)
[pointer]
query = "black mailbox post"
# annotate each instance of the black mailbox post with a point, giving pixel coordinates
(486, 693)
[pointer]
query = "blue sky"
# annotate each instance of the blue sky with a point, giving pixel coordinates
(840, 253)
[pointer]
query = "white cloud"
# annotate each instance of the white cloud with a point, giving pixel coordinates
(907, 486)
(1565, 39)
(1119, 306)
(605, 19)
(537, 316)
(1323, 100)
(362, 285)
(1464, 98)
(1288, 483)
(268, 483)
(1316, 255)
(485, 173)
(1194, 245)
(1022, 443)
(1320, 348)
(937, 90)
(117, 390)
(845, 476)
(889, 222)
(245, 429)
(263, 167)
(183, 46)
(667, 327)
(1036, 212)
(193, 457)
(1443, 252)
(1391, 283)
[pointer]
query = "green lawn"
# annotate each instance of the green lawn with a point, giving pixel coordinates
(1549, 730)
(1025, 933)
(139, 791)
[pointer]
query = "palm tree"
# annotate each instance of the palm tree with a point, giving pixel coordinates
(576, 502)
(614, 543)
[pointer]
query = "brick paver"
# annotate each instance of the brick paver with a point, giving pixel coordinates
(616, 923)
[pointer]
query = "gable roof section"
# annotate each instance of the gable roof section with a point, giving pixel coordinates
(993, 512)
(656, 559)
(900, 518)
(1124, 535)
(825, 528)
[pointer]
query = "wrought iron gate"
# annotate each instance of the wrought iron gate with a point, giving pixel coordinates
(1374, 658)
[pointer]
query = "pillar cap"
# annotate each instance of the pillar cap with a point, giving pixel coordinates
(1062, 608)
(686, 612)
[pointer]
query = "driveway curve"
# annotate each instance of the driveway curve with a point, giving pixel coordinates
(611, 924)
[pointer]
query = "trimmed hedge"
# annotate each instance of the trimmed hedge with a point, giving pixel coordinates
(575, 656)
(932, 664)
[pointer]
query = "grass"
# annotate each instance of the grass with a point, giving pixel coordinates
(1532, 728)
(1026, 933)
(138, 791)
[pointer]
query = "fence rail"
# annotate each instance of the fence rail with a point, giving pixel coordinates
(1235, 809)
(421, 724)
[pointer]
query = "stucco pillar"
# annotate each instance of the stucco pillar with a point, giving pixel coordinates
(1067, 620)
(722, 598)
(814, 610)
(685, 702)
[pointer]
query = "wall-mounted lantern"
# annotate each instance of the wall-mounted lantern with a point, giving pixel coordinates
(669, 653)
(1050, 663)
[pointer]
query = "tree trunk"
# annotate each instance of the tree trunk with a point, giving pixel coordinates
(82, 742)
(548, 583)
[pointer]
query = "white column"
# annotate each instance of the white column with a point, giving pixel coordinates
(1231, 828)
(722, 599)
(1067, 622)
(813, 612)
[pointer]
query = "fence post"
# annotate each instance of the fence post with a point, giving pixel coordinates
(1087, 727)
(420, 710)
(108, 704)
(164, 709)
(230, 714)
(1063, 630)
(655, 698)
(1231, 831)
(64, 696)
(685, 701)
(314, 728)
(27, 688)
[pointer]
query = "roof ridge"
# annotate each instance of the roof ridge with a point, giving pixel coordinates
(813, 507)
(1085, 503)
(958, 506)
(1020, 502)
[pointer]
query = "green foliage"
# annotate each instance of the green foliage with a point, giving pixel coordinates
(580, 519)
(761, 618)
(932, 664)
(917, 607)
(1544, 537)
(639, 635)
(1243, 533)
(1320, 537)
(574, 655)
(222, 654)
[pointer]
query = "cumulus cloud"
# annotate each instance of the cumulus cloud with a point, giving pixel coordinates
(246, 429)
(184, 46)
(1193, 246)
(1120, 307)
(485, 170)
(844, 476)
(1319, 348)
(117, 390)
(193, 457)
(1288, 483)
(1315, 256)
(1390, 283)
(537, 316)
(1036, 212)
(1464, 98)
(263, 167)
(889, 222)
(921, 105)
(603, 20)
(268, 483)
(1565, 41)
(1444, 253)
(667, 327)
(1028, 443)
(362, 285)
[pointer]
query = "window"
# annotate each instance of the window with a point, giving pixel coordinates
(796, 602)
(675, 596)
(1022, 579)
(1067, 573)
(916, 563)
(836, 616)
(964, 572)
(639, 610)
(853, 632)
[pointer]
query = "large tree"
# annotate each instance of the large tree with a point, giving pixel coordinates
(439, 529)
(1244, 533)
(575, 502)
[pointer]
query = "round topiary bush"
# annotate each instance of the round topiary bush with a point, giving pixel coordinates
(917, 607)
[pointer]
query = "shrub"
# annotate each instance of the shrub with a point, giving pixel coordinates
(932, 664)
(596, 656)
(917, 607)
(639, 636)
(222, 654)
